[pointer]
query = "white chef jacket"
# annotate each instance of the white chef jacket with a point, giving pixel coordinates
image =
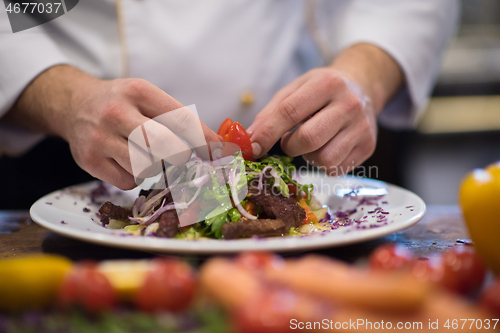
(209, 53)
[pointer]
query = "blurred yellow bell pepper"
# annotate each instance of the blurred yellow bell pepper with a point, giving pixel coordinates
(30, 282)
(480, 202)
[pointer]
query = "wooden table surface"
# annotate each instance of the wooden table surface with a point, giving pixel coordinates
(438, 230)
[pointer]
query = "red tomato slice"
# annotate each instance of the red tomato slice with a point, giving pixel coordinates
(310, 217)
(224, 127)
(86, 286)
(239, 136)
(170, 286)
(295, 193)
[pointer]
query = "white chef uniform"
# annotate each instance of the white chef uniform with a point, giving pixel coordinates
(210, 53)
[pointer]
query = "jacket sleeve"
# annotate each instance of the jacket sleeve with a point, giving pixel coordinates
(23, 56)
(414, 32)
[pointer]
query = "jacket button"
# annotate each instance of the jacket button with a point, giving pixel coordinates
(247, 98)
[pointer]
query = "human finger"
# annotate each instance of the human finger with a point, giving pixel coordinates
(328, 157)
(357, 156)
(156, 104)
(111, 172)
(294, 109)
(137, 161)
(315, 132)
(126, 119)
(117, 148)
(150, 100)
(186, 124)
(149, 142)
(277, 98)
(160, 142)
(348, 149)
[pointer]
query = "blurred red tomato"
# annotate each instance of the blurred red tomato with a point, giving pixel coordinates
(254, 260)
(459, 270)
(464, 270)
(391, 257)
(270, 312)
(169, 286)
(86, 286)
(430, 270)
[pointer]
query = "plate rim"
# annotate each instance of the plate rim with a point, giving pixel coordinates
(275, 244)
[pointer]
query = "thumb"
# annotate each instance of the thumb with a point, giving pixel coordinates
(257, 131)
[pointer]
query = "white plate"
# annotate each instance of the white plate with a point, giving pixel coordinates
(405, 209)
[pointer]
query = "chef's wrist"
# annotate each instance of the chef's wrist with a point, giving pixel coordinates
(46, 102)
(74, 87)
(376, 73)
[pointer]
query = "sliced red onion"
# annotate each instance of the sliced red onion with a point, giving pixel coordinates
(152, 194)
(231, 178)
(277, 178)
(207, 166)
(138, 220)
(152, 202)
(145, 219)
(170, 206)
(240, 207)
(193, 198)
(175, 182)
(147, 212)
(150, 219)
(199, 182)
(138, 203)
(192, 171)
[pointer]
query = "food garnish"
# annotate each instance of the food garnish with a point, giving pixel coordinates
(231, 197)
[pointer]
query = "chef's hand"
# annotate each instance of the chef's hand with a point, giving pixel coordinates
(97, 116)
(335, 109)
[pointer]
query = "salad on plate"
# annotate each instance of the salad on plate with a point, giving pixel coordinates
(230, 196)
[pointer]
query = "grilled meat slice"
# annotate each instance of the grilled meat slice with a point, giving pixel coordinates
(245, 228)
(168, 224)
(277, 206)
(110, 211)
(284, 214)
